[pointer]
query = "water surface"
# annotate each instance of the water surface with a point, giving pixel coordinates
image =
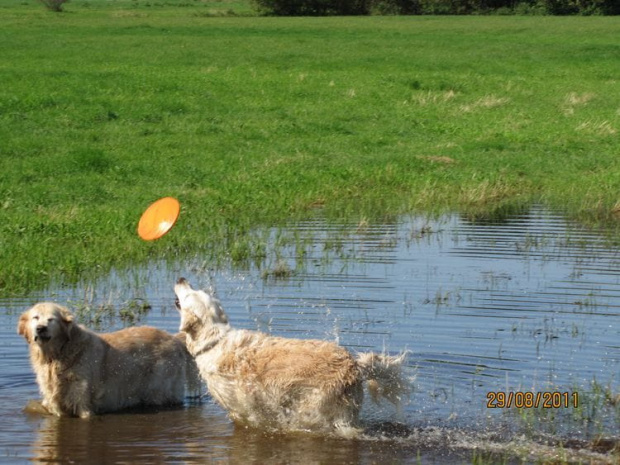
(527, 304)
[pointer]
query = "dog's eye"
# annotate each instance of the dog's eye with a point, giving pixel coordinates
(35, 318)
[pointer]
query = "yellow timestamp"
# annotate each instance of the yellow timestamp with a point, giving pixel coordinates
(546, 399)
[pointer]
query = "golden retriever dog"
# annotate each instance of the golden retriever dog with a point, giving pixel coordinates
(81, 373)
(279, 383)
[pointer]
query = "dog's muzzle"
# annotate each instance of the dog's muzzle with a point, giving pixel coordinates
(177, 304)
(41, 334)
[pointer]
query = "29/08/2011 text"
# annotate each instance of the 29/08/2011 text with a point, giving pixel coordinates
(547, 399)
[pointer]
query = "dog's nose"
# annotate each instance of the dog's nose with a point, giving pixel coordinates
(182, 281)
(41, 329)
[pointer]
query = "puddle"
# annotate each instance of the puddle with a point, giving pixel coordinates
(527, 305)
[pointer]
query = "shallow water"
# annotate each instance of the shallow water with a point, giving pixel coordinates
(528, 304)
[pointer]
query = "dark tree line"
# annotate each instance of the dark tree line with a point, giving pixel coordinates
(437, 7)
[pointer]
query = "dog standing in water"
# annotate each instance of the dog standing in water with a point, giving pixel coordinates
(81, 373)
(279, 383)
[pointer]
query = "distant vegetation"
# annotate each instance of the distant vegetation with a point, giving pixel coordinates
(437, 7)
(395, 7)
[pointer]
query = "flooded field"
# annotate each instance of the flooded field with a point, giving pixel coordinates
(524, 310)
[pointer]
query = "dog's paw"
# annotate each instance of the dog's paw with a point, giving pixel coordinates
(85, 414)
(36, 407)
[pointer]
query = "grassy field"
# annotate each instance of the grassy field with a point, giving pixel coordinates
(254, 121)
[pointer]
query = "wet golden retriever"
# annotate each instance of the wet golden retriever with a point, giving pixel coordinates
(81, 373)
(279, 383)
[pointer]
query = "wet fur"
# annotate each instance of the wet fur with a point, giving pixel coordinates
(280, 383)
(81, 373)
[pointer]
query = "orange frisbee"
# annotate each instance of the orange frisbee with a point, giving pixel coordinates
(158, 218)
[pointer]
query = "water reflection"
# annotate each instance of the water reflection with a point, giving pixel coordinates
(178, 435)
(202, 434)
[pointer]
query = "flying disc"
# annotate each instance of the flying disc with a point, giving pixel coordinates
(158, 218)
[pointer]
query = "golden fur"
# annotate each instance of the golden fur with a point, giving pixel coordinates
(280, 383)
(81, 373)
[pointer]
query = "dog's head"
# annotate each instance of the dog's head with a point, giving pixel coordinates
(199, 310)
(46, 324)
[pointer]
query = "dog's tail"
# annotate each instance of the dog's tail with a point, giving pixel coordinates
(384, 376)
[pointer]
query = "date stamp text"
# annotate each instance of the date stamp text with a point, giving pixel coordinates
(546, 399)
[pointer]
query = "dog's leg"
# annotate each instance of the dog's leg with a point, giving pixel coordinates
(76, 398)
(51, 408)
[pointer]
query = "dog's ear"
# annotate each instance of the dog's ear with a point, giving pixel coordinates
(213, 306)
(23, 329)
(65, 314)
(66, 321)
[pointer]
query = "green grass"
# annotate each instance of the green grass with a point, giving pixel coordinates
(254, 121)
